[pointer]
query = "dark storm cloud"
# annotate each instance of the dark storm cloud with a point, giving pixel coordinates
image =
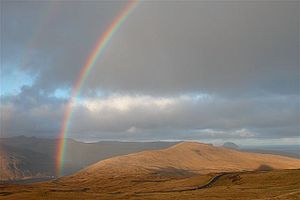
(163, 47)
(53, 38)
(243, 56)
(30, 113)
(230, 48)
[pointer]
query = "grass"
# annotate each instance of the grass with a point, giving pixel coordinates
(277, 184)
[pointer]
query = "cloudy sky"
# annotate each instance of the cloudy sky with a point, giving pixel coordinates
(199, 70)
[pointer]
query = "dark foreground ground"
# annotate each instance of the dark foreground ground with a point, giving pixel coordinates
(277, 184)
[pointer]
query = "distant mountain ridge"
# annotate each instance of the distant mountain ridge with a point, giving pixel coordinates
(231, 145)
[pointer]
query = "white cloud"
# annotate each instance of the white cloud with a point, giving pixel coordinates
(132, 129)
(240, 133)
(124, 103)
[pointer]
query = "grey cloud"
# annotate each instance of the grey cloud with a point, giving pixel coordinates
(229, 48)
(53, 38)
(267, 117)
(31, 113)
(180, 117)
(232, 48)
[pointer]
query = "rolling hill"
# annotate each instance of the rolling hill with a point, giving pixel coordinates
(187, 158)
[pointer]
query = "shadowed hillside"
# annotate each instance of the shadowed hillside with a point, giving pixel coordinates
(23, 163)
(31, 157)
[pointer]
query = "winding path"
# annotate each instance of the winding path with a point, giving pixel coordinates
(207, 185)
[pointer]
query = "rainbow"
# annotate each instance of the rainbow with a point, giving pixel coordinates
(85, 71)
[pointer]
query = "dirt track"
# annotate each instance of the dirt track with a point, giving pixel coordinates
(207, 185)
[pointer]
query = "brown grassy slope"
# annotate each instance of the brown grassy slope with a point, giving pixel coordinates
(272, 185)
(186, 157)
(278, 185)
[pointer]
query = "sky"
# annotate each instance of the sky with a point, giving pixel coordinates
(210, 71)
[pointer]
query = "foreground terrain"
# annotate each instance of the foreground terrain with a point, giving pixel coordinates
(186, 170)
(278, 184)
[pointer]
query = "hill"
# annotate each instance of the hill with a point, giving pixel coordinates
(186, 158)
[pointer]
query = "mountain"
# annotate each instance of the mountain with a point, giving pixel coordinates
(31, 157)
(230, 145)
(184, 159)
